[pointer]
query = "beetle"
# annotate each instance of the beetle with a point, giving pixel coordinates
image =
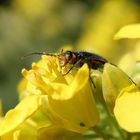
(77, 59)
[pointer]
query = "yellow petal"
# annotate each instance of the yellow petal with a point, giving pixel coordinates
(81, 78)
(22, 85)
(73, 107)
(19, 114)
(43, 74)
(8, 136)
(127, 109)
(64, 91)
(13, 135)
(36, 79)
(129, 31)
(40, 119)
(26, 132)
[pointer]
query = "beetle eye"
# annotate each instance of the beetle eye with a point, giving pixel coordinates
(68, 55)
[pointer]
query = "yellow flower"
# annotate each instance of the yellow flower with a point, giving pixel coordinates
(70, 102)
(122, 97)
(127, 110)
(51, 105)
(126, 104)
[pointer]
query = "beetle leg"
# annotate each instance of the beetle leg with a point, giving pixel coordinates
(92, 81)
(74, 65)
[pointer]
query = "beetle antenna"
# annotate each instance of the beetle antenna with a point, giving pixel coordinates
(39, 53)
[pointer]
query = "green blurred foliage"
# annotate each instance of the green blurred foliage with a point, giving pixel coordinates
(46, 25)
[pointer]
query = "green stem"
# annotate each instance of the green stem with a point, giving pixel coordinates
(99, 133)
(113, 122)
(119, 134)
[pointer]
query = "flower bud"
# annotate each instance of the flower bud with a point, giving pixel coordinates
(113, 81)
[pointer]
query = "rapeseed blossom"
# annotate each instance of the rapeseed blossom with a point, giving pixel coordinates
(55, 106)
(51, 103)
(122, 97)
(126, 109)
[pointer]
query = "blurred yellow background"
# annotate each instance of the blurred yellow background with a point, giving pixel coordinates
(46, 25)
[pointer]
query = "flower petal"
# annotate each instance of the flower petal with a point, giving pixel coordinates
(64, 91)
(19, 114)
(129, 31)
(74, 107)
(127, 109)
